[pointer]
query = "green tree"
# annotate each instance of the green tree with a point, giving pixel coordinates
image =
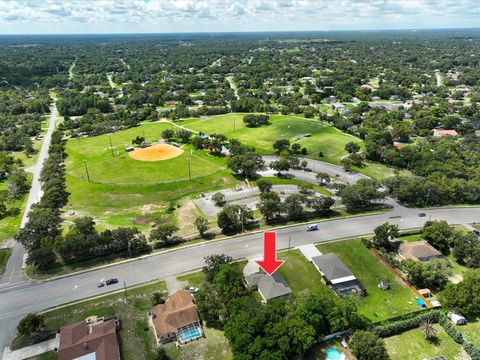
(280, 165)
(32, 323)
(213, 264)
(352, 147)
(41, 258)
(163, 233)
(270, 205)
(384, 234)
(293, 206)
(366, 345)
(361, 195)
(219, 199)
(463, 297)
(168, 134)
(264, 185)
(438, 234)
(281, 145)
(234, 217)
(201, 223)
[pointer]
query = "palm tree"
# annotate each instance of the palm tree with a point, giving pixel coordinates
(429, 331)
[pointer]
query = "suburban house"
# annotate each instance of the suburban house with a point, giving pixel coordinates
(176, 319)
(91, 339)
(418, 251)
(441, 132)
(268, 286)
(337, 275)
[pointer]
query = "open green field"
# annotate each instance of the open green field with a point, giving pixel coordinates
(135, 342)
(140, 206)
(122, 169)
(411, 345)
(378, 304)
(324, 137)
(471, 332)
(298, 273)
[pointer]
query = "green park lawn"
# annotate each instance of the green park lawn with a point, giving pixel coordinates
(4, 255)
(324, 137)
(471, 331)
(135, 341)
(378, 304)
(411, 345)
(122, 169)
(298, 273)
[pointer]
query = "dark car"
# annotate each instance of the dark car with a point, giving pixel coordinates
(422, 215)
(476, 232)
(111, 281)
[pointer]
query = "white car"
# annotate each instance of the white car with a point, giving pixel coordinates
(192, 289)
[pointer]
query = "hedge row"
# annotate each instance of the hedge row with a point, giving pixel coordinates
(391, 328)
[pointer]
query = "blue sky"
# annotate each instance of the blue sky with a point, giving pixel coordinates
(118, 16)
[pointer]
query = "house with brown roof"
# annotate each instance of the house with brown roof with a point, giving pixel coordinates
(91, 339)
(176, 319)
(441, 133)
(419, 251)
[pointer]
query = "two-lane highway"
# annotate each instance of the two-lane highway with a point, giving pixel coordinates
(16, 300)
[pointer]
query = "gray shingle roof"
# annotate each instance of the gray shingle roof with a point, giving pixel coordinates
(331, 266)
(270, 287)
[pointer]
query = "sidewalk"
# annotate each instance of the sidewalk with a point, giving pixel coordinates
(30, 351)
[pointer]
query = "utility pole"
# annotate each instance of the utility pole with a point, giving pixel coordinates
(234, 123)
(111, 146)
(289, 241)
(189, 170)
(125, 288)
(86, 170)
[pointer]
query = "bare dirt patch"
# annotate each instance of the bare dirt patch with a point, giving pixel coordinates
(156, 152)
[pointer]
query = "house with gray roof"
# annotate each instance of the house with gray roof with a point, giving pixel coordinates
(337, 275)
(268, 286)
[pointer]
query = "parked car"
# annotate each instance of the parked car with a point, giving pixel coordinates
(313, 227)
(422, 215)
(476, 232)
(111, 281)
(192, 289)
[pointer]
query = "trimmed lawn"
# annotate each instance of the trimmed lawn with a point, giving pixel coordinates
(4, 255)
(213, 347)
(471, 331)
(195, 279)
(298, 273)
(324, 137)
(411, 238)
(378, 304)
(412, 345)
(281, 181)
(122, 169)
(379, 171)
(135, 341)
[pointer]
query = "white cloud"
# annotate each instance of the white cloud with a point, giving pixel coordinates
(226, 15)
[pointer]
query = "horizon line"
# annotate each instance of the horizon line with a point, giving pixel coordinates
(242, 32)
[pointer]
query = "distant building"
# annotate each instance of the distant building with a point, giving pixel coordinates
(337, 275)
(269, 286)
(441, 132)
(176, 319)
(419, 251)
(92, 339)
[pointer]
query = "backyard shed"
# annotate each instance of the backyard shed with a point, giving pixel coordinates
(456, 318)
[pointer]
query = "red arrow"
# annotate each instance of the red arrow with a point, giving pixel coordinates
(270, 263)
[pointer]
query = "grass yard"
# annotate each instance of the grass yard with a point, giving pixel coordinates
(51, 355)
(280, 181)
(378, 304)
(324, 137)
(9, 225)
(379, 171)
(4, 255)
(411, 345)
(135, 341)
(471, 332)
(298, 273)
(213, 347)
(411, 238)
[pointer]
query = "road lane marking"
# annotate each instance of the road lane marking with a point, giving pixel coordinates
(11, 275)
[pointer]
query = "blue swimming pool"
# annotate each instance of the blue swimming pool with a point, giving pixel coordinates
(189, 334)
(421, 303)
(332, 354)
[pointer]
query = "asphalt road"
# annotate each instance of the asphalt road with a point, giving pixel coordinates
(13, 272)
(18, 299)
